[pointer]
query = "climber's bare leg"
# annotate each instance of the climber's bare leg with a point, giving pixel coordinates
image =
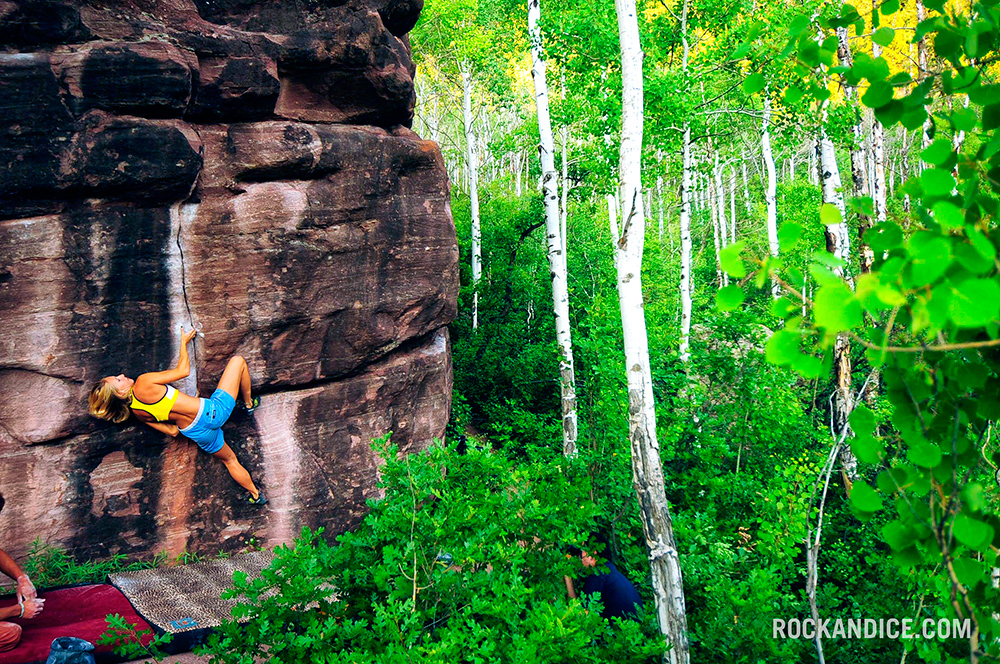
(236, 469)
(236, 380)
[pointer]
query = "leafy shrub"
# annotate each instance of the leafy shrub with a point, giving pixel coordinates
(461, 561)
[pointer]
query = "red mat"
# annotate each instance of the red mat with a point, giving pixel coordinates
(78, 611)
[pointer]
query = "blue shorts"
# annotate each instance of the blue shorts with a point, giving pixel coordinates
(206, 429)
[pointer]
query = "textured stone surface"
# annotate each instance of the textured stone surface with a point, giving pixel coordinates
(245, 167)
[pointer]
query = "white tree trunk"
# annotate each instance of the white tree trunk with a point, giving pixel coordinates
(685, 232)
(732, 204)
(878, 155)
(685, 217)
(838, 236)
(714, 216)
(564, 207)
(659, 197)
(721, 203)
(647, 473)
(473, 178)
(771, 193)
(925, 138)
(859, 177)
(553, 232)
(746, 186)
(518, 170)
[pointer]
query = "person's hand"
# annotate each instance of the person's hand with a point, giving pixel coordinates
(187, 336)
(25, 588)
(32, 607)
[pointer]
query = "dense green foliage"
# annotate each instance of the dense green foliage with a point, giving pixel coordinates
(461, 561)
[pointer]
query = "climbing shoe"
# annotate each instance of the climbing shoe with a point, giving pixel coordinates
(259, 500)
(254, 403)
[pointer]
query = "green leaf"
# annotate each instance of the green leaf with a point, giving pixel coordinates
(783, 308)
(782, 348)
(889, 7)
(793, 94)
(931, 256)
(897, 535)
(991, 117)
(864, 498)
(753, 83)
(973, 533)
(731, 261)
(984, 94)
(937, 153)
(884, 36)
(788, 234)
(729, 298)
(890, 113)
(830, 215)
(809, 366)
(878, 94)
(862, 420)
(975, 302)
(948, 215)
(923, 454)
(969, 572)
(798, 24)
(836, 308)
(741, 51)
(867, 449)
(937, 182)
(884, 236)
(982, 244)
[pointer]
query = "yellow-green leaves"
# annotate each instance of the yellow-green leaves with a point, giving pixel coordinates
(729, 298)
(948, 215)
(731, 261)
(830, 215)
(836, 308)
(883, 36)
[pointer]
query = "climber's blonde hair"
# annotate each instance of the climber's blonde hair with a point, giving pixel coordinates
(107, 405)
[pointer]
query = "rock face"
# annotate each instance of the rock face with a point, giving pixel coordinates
(245, 167)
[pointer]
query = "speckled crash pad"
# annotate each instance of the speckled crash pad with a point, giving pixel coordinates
(187, 598)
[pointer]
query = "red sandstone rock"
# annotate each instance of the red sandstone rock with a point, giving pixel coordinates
(148, 180)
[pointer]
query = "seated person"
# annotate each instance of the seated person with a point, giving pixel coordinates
(28, 605)
(619, 596)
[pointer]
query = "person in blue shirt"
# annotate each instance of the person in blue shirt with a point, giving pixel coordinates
(619, 597)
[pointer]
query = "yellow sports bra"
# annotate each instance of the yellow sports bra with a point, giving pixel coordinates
(159, 410)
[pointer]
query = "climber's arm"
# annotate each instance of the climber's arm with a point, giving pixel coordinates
(182, 370)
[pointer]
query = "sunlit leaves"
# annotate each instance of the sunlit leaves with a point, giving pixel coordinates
(754, 83)
(937, 182)
(729, 298)
(937, 153)
(830, 215)
(836, 308)
(884, 36)
(732, 262)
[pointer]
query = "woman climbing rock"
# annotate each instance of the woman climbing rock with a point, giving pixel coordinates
(156, 403)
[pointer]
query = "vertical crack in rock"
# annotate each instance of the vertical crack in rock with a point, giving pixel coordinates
(180, 307)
